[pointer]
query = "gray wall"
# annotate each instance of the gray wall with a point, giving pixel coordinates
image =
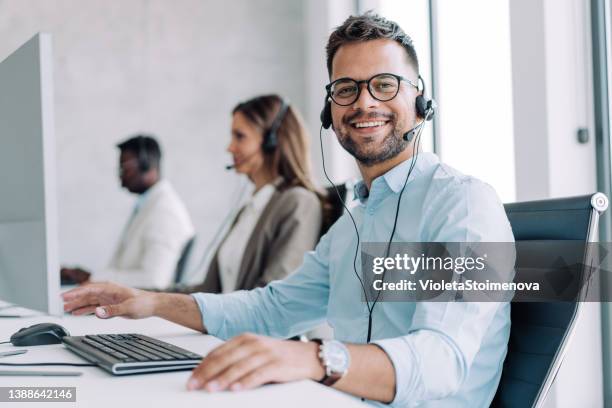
(174, 68)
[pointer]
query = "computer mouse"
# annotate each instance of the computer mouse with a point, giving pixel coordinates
(39, 334)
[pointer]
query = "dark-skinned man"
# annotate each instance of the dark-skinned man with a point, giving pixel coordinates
(158, 229)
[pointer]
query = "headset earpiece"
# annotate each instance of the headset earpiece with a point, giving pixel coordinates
(420, 105)
(326, 117)
(270, 137)
(143, 157)
(270, 142)
(425, 108)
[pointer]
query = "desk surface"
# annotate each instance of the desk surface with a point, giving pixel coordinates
(97, 388)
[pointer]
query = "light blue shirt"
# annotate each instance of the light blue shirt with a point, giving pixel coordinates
(444, 354)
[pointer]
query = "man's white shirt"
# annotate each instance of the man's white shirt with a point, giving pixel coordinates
(152, 241)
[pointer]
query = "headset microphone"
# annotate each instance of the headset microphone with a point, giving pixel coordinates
(239, 162)
(426, 108)
(410, 134)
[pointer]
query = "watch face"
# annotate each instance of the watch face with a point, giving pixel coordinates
(336, 355)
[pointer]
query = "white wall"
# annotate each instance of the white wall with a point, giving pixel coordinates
(321, 17)
(174, 68)
(552, 93)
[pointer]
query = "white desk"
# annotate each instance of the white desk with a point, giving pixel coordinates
(97, 388)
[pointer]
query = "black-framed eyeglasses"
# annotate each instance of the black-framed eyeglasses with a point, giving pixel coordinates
(383, 87)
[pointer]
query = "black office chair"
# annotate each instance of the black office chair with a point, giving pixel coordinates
(182, 262)
(335, 207)
(541, 331)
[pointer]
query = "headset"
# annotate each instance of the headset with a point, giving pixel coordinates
(425, 110)
(144, 164)
(270, 137)
(422, 104)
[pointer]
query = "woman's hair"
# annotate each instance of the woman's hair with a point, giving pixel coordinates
(291, 157)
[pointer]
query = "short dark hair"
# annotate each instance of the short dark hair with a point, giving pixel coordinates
(143, 146)
(366, 27)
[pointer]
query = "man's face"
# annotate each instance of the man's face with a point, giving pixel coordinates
(129, 172)
(360, 61)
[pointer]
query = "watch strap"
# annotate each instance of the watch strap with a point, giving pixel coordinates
(329, 377)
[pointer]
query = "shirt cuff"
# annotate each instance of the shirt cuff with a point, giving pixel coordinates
(211, 310)
(406, 366)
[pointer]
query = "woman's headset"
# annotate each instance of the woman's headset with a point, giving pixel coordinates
(270, 136)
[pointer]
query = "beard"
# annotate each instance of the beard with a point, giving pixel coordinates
(370, 152)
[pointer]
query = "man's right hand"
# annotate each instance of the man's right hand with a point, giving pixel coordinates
(109, 300)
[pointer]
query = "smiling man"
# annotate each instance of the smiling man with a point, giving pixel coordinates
(400, 353)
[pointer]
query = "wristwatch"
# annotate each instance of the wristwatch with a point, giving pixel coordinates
(335, 359)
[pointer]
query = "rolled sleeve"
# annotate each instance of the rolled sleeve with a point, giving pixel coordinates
(417, 359)
(405, 364)
(211, 311)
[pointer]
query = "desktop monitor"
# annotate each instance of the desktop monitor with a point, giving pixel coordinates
(29, 266)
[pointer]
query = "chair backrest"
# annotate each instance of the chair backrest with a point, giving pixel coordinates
(540, 331)
(182, 262)
(336, 205)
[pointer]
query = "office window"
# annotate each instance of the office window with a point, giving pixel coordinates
(474, 90)
(413, 17)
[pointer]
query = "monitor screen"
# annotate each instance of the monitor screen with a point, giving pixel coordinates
(29, 266)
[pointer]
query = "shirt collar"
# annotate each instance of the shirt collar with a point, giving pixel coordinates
(142, 198)
(395, 177)
(260, 199)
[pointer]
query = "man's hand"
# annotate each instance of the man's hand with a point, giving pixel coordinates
(248, 361)
(76, 275)
(109, 300)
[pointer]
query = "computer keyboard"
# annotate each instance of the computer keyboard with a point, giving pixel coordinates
(131, 353)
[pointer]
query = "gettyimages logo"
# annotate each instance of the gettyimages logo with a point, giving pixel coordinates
(411, 264)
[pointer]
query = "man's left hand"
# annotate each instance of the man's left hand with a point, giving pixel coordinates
(248, 361)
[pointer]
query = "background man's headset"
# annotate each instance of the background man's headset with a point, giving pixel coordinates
(144, 164)
(425, 110)
(270, 136)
